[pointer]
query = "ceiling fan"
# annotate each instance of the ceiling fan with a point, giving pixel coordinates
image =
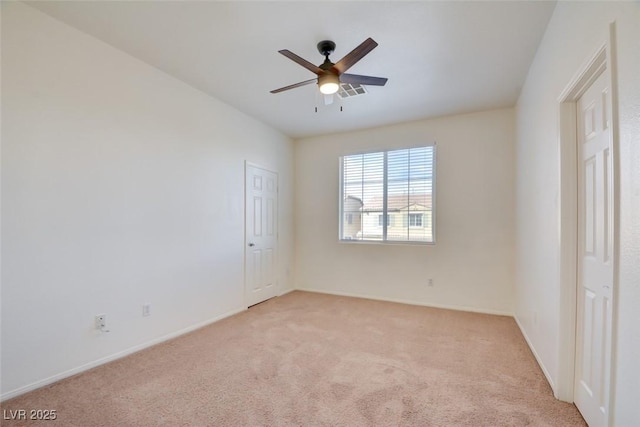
(330, 75)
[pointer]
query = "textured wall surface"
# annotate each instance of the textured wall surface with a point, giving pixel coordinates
(471, 263)
(576, 31)
(121, 186)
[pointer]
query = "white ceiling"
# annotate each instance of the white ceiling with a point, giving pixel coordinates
(441, 58)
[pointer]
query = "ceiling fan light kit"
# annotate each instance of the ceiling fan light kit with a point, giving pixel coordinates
(331, 75)
(328, 83)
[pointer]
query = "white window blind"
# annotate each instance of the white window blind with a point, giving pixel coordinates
(397, 185)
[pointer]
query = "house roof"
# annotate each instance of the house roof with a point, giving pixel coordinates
(355, 199)
(399, 202)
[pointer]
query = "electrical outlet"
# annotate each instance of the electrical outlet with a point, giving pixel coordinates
(101, 321)
(146, 310)
(430, 282)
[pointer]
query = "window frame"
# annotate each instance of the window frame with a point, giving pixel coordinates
(384, 240)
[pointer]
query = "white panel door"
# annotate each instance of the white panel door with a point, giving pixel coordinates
(595, 253)
(261, 219)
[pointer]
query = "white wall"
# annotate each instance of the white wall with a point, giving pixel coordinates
(472, 260)
(575, 32)
(120, 186)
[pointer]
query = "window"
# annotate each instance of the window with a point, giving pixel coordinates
(389, 220)
(415, 220)
(383, 185)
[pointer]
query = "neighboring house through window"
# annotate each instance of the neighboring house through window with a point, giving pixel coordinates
(398, 185)
(352, 224)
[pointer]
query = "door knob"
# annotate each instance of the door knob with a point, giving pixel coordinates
(252, 244)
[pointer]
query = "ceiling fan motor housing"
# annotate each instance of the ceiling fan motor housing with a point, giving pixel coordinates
(326, 47)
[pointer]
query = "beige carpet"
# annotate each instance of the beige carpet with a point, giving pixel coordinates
(318, 360)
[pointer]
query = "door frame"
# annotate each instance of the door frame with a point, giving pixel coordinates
(248, 164)
(602, 61)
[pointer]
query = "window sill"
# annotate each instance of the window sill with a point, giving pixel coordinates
(387, 242)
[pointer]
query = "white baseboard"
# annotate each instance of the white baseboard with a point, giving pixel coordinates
(62, 375)
(538, 359)
(411, 302)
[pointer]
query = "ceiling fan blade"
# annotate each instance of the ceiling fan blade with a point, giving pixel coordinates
(363, 80)
(355, 55)
(301, 61)
(295, 85)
